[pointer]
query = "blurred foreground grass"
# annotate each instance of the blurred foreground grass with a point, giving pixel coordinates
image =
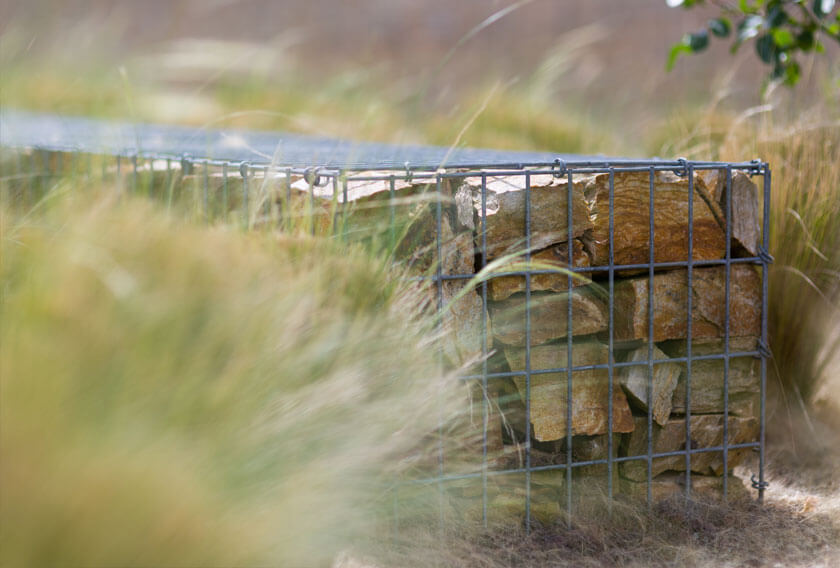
(177, 395)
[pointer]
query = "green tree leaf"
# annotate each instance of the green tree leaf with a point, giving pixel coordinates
(781, 30)
(783, 38)
(792, 73)
(766, 48)
(720, 27)
(776, 16)
(676, 51)
(698, 41)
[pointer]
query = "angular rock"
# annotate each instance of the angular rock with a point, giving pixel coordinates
(363, 210)
(746, 214)
(631, 219)
(706, 432)
(635, 382)
(707, 392)
(549, 316)
(555, 256)
(424, 235)
(505, 203)
(464, 318)
(420, 240)
(670, 304)
(590, 392)
(584, 449)
(671, 485)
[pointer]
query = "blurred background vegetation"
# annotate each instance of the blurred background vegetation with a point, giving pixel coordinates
(81, 348)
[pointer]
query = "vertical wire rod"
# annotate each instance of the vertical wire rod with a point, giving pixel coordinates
(611, 326)
(726, 330)
(569, 350)
(690, 278)
(651, 259)
(765, 273)
(528, 354)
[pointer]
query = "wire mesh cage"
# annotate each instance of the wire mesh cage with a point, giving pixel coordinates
(609, 315)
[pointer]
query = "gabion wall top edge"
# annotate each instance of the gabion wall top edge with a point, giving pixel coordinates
(299, 153)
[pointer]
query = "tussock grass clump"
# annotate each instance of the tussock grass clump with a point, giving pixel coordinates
(805, 239)
(804, 155)
(178, 395)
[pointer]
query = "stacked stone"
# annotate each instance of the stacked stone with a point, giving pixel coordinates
(483, 222)
(631, 400)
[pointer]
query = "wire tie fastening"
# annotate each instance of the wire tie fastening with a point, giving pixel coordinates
(764, 256)
(186, 164)
(760, 485)
(763, 350)
(313, 177)
(682, 171)
(243, 169)
(559, 168)
(409, 175)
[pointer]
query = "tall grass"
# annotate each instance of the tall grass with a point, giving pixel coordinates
(178, 395)
(804, 155)
(805, 238)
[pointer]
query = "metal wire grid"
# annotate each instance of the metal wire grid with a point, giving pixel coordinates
(763, 259)
(32, 183)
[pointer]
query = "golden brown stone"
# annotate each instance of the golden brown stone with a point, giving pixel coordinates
(464, 316)
(707, 392)
(590, 394)
(706, 432)
(368, 211)
(746, 234)
(553, 256)
(549, 316)
(631, 219)
(419, 239)
(504, 204)
(664, 381)
(670, 304)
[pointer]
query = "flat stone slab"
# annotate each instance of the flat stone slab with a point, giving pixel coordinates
(706, 432)
(707, 388)
(590, 391)
(555, 256)
(549, 316)
(504, 201)
(631, 219)
(670, 304)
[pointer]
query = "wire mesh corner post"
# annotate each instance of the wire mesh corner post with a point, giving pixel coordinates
(617, 308)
